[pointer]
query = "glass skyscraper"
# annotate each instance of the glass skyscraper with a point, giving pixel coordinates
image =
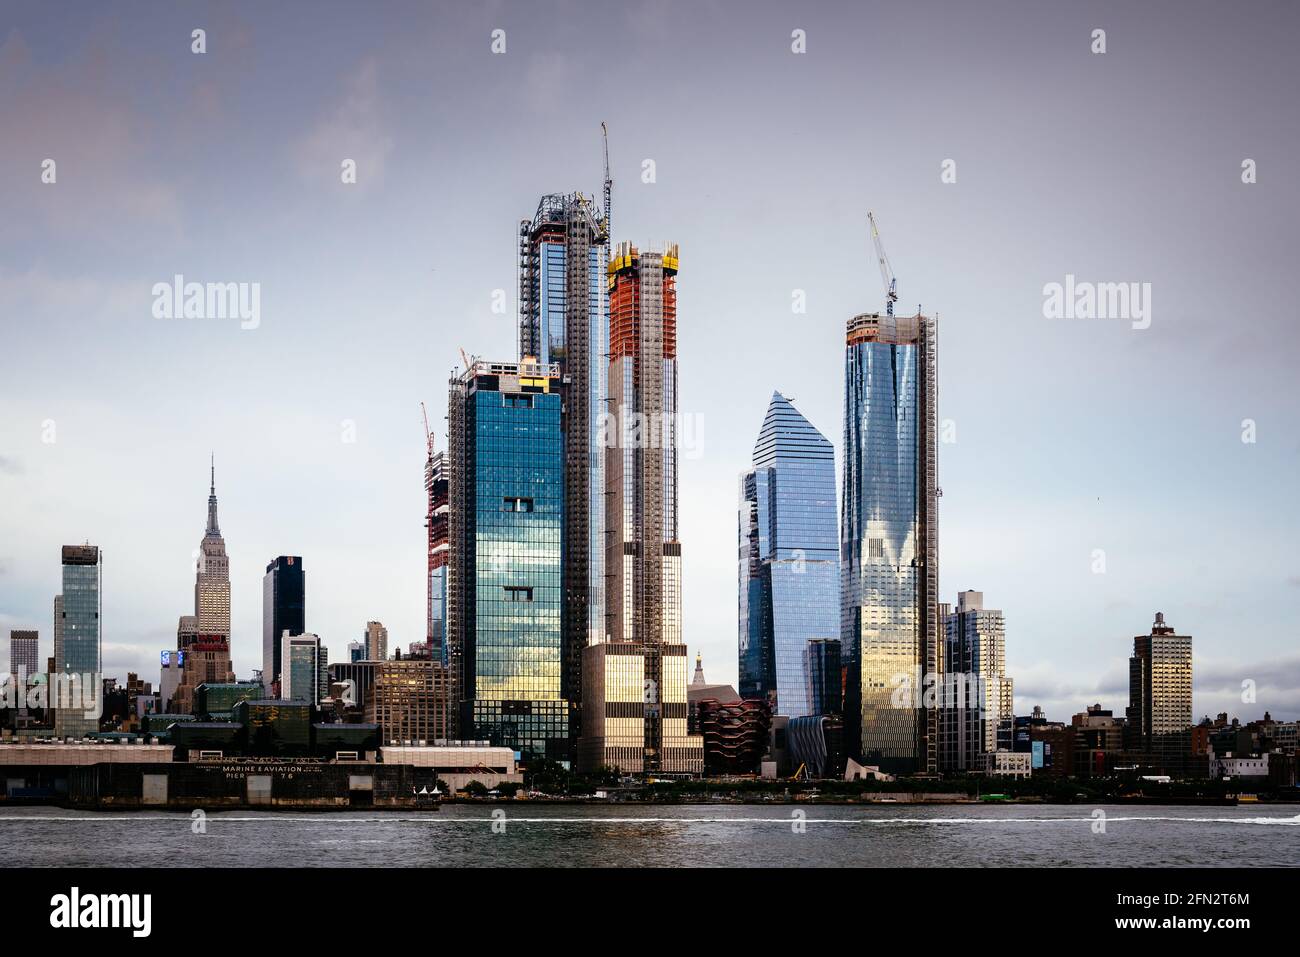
(81, 639)
(889, 560)
(789, 565)
(563, 252)
(303, 668)
(505, 597)
(284, 608)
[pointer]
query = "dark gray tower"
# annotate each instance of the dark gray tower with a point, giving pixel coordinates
(284, 608)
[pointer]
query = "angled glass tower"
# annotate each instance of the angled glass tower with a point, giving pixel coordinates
(789, 565)
(889, 558)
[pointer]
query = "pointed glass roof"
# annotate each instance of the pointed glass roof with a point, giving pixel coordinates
(786, 436)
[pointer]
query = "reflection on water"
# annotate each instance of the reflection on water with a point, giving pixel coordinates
(523, 835)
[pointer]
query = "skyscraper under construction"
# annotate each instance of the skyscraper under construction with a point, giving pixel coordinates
(563, 251)
(435, 487)
(634, 680)
(889, 551)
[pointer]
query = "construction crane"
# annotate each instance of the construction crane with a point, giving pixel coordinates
(428, 435)
(886, 270)
(609, 185)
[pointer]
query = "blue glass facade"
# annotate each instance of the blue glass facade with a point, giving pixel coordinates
(789, 564)
(889, 568)
(79, 647)
(438, 616)
(81, 608)
(508, 562)
(300, 668)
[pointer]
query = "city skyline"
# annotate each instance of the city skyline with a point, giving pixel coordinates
(1064, 445)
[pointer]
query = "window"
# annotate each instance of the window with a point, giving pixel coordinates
(877, 546)
(516, 503)
(516, 401)
(518, 593)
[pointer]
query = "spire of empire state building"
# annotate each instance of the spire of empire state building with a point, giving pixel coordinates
(214, 530)
(212, 581)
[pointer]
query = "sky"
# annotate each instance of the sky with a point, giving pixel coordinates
(1093, 471)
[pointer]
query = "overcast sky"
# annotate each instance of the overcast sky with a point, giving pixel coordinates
(1071, 435)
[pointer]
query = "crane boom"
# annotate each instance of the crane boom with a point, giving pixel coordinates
(886, 270)
(428, 435)
(609, 183)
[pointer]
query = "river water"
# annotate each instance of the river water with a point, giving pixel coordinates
(517, 834)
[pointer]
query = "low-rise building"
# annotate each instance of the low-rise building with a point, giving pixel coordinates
(215, 701)
(456, 763)
(1005, 764)
(1248, 766)
(816, 744)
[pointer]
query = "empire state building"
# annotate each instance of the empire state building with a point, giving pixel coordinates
(212, 585)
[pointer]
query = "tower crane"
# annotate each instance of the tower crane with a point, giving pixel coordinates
(886, 270)
(609, 184)
(428, 435)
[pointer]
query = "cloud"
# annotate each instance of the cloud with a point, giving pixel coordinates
(105, 174)
(1217, 685)
(550, 75)
(1274, 685)
(10, 465)
(35, 292)
(354, 129)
